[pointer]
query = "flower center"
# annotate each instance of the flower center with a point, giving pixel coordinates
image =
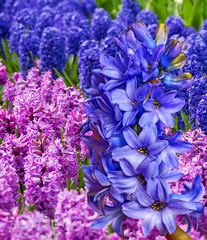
(134, 103)
(158, 205)
(156, 104)
(141, 178)
(143, 150)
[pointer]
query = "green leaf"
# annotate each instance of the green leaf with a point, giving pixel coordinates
(68, 82)
(5, 104)
(86, 161)
(58, 73)
(16, 131)
(11, 62)
(52, 223)
(186, 121)
(197, 14)
(110, 229)
(62, 133)
(21, 209)
(1, 94)
(70, 184)
(80, 178)
(31, 208)
(158, 7)
(175, 128)
(74, 75)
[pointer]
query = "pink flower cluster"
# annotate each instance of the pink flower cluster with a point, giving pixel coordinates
(39, 132)
(73, 218)
(193, 163)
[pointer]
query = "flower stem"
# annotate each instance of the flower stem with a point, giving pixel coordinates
(179, 234)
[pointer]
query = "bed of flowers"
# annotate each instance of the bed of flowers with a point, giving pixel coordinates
(103, 120)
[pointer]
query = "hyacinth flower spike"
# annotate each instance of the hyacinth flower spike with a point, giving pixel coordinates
(139, 147)
(157, 209)
(161, 106)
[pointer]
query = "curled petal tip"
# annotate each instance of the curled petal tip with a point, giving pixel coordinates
(173, 50)
(161, 34)
(179, 82)
(177, 63)
(142, 34)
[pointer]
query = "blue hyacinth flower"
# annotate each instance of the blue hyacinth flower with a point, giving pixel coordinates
(114, 215)
(98, 183)
(142, 34)
(157, 209)
(139, 147)
(127, 180)
(161, 106)
(130, 100)
(178, 82)
(176, 145)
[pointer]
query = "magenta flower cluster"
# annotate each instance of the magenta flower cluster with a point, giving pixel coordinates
(40, 123)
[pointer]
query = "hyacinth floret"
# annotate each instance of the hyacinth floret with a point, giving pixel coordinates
(131, 100)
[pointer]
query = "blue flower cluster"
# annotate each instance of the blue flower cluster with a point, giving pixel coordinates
(71, 18)
(28, 50)
(51, 49)
(132, 160)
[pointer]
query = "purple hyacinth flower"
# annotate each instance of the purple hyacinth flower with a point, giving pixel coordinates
(161, 106)
(130, 101)
(157, 209)
(139, 147)
(176, 145)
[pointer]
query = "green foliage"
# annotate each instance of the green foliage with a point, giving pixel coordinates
(21, 209)
(186, 121)
(1, 94)
(31, 208)
(16, 131)
(175, 128)
(70, 74)
(111, 6)
(110, 229)
(193, 12)
(158, 7)
(5, 104)
(11, 60)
